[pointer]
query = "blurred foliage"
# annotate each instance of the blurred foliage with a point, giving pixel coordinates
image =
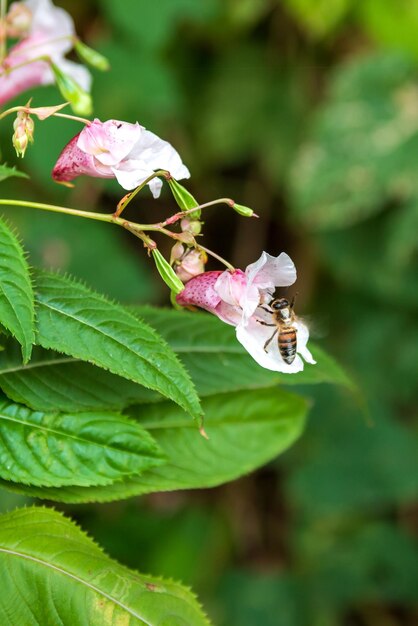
(308, 112)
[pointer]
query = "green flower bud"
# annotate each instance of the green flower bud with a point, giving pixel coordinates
(79, 99)
(90, 56)
(243, 210)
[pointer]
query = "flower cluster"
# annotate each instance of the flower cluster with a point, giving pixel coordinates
(46, 35)
(136, 157)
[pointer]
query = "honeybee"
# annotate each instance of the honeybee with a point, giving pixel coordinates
(284, 319)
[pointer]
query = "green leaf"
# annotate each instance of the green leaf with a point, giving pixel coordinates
(52, 573)
(76, 321)
(54, 381)
(245, 430)
(55, 449)
(208, 348)
(7, 172)
(16, 296)
(361, 154)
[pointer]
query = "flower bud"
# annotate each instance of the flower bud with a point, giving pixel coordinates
(243, 210)
(191, 265)
(191, 226)
(177, 252)
(79, 99)
(90, 56)
(23, 127)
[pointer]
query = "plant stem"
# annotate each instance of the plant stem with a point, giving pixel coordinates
(3, 50)
(100, 217)
(216, 256)
(28, 108)
(130, 196)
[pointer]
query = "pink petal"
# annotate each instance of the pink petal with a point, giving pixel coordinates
(110, 142)
(73, 162)
(231, 287)
(200, 291)
(26, 77)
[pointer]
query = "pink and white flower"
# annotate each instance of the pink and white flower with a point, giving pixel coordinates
(115, 149)
(236, 298)
(50, 34)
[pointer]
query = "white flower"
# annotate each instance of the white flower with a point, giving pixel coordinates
(238, 298)
(115, 149)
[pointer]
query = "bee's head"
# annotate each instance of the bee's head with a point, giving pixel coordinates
(280, 303)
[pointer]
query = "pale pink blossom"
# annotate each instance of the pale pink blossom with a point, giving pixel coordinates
(238, 298)
(50, 35)
(115, 149)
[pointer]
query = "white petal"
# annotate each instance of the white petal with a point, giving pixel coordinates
(303, 336)
(270, 271)
(130, 174)
(253, 337)
(51, 22)
(155, 186)
(159, 154)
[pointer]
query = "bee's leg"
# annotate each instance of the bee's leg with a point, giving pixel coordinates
(270, 340)
(265, 323)
(260, 306)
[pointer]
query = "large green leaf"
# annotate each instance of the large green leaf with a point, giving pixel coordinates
(52, 573)
(80, 323)
(53, 381)
(245, 430)
(361, 153)
(216, 361)
(16, 296)
(207, 347)
(55, 449)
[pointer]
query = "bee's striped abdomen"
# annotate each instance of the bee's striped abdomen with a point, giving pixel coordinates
(287, 344)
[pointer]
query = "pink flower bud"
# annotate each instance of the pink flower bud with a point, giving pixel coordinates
(191, 265)
(191, 226)
(24, 128)
(177, 252)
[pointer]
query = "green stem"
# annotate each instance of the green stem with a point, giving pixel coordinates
(27, 110)
(3, 49)
(110, 218)
(9, 70)
(99, 217)
(219, 258)
(130, 196)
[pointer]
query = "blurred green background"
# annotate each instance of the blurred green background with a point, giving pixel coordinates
(306, 110)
